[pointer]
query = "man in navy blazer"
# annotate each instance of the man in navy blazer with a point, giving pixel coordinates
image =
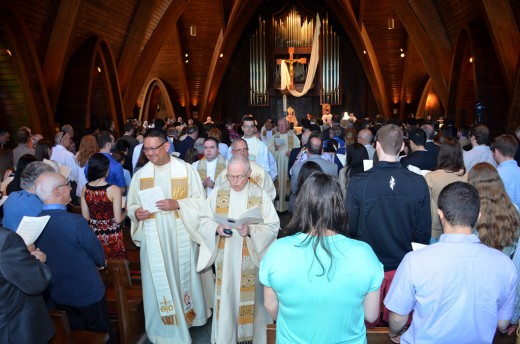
(23, 277)
(74, 255)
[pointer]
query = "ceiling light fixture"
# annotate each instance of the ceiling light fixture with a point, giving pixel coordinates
(471, 60)
(364, 52)
(221, 55)
(390, 23)
(9, 52)
(193, 30)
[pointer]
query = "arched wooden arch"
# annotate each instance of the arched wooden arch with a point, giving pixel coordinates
(24, 100)
(514, 109)
(435, 107)
(155, 91)
(461, 69)
(90, 93)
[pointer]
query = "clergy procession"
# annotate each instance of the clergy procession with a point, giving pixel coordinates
(218, 247)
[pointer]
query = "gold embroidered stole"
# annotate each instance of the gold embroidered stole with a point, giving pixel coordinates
(202, 167)
(179, 191)
(246, 309)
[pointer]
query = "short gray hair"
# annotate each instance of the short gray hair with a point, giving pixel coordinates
(240, 159)
(32, 172)
(237, 140)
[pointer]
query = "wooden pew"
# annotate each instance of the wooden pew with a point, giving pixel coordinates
(271, 333)
(128, 301)
(64, 335)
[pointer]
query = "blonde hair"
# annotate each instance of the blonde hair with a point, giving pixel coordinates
(499, 221)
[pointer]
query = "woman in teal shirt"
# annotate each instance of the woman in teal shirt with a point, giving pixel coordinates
(319, 284)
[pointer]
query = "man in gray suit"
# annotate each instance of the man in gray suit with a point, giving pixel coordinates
(23, 277)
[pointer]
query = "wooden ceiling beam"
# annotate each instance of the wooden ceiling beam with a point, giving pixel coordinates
(150, 53)
(134, 42)
(505, 36)
(182, 69)
(361, 12)
(404, 79)
(436, 65)
(222, 14)
(361, 41)
(241, 13)
(429, 18)
(55, 59)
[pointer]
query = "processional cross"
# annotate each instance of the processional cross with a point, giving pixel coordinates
(291, 61)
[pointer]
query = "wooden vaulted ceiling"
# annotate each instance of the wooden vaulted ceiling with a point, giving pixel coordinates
(150, 39)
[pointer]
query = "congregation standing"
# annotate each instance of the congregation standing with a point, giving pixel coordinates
(361, 194)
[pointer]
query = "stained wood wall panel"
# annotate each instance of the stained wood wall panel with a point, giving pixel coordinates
(387, 44)
(158, 12)
(455, 14)
(39, 18)
(109, 19)
(201, 14)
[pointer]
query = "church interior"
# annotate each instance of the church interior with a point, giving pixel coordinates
(91, 62)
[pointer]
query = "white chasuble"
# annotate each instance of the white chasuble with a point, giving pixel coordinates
(227, 326)
(282, 183)
(173, 291)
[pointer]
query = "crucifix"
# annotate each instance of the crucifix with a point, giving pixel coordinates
(291, 61)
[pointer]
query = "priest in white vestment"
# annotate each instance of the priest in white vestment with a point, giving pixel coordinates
(280, 145)
(173, 293)
(258, 174)
(211, 165)
(258, 151)
(236, 251)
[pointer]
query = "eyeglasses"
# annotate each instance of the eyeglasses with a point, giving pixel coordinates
(152, 149)
(236, 178)
(247, 126)
(241, 150)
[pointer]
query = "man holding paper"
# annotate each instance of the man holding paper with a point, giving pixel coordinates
(236, 251)
(280, 145)
(163, 200)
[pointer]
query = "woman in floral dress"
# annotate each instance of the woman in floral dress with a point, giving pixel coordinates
(101, 205)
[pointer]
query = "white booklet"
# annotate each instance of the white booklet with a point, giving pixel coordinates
(31, 227)
(149, 197)
(417, 246)
(251, 216)
(279, 141)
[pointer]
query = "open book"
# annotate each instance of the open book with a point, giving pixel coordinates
(251, 216)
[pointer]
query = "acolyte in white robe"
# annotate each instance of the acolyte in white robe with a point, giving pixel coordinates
(282, 160)
(224, 329)
(258, 152)
(168, 231)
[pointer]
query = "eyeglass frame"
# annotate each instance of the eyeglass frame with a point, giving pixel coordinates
(237, 178)
(152, 149)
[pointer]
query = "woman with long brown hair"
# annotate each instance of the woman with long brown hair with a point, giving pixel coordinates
(498, 224)
(87, 146)
(450, 169)
(316, 258)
